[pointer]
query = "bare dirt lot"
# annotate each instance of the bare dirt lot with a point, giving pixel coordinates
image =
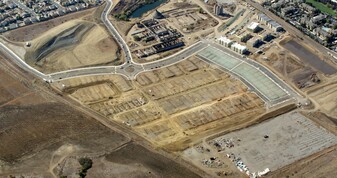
(326, 98)
(309, 56)
(71, 45)
(187, 18)
(72, 41)
(291, 68)
(39, 133)
(171, 107)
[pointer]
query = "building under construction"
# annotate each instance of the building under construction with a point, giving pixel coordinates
(218, 9)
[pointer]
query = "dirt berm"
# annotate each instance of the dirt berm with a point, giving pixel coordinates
(55, 39)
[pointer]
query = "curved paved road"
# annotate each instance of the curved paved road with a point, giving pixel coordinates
(21, 63)
(129, 69)
(114, 32)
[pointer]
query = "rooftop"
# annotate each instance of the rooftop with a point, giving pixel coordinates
(239, 46)
(253, 26)
(274, 24)
(224, 39)
(264, 17)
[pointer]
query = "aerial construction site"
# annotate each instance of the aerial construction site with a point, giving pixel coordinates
(167, 88)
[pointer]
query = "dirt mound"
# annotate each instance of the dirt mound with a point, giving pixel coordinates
(70, 35)
(74, 44)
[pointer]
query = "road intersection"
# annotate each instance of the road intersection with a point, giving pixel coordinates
(130, 69)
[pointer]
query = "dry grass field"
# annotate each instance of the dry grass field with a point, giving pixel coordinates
(34, 125)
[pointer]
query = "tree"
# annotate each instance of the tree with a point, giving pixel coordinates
(201, 11)
(122, 16)
(86, 164)
(136, 38)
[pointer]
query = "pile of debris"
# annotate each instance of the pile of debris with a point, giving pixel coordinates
(213, 162)
(222, 143)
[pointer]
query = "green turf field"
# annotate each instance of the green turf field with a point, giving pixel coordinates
(322, 7)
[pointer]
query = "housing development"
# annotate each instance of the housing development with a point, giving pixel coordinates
(168, 88)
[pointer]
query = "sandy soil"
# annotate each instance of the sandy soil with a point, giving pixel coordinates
(71, 45)
(325, 98)
(160, 103)
(285, 64)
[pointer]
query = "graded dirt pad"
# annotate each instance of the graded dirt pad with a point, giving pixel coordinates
(30, 32)
(187, 19)
(174, 106)
(325, 97)
(214, 161)
(71, 45)
(286, 64)
(66, 35)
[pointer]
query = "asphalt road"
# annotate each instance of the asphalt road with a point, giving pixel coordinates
(114, 32)
(129, 70)
(21, 63)
(176, 58)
